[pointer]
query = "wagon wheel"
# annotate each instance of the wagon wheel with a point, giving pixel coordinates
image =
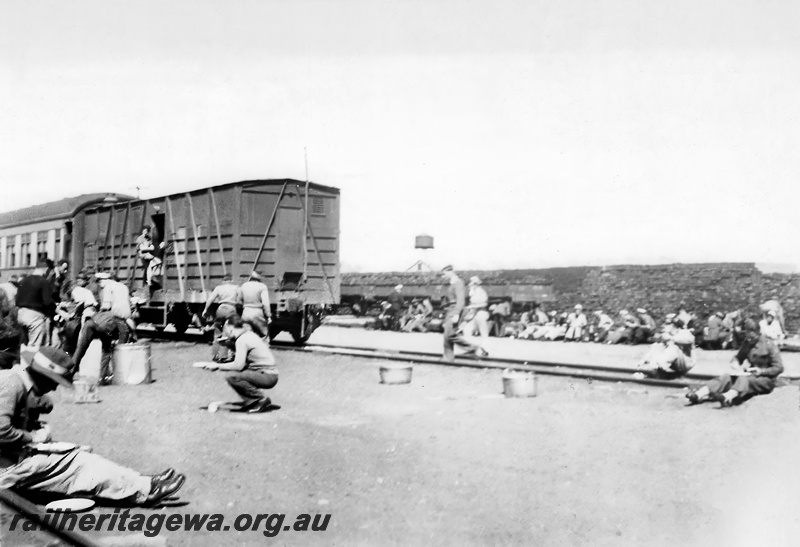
(299, 337)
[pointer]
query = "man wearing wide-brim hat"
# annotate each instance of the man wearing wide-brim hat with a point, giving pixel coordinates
(30, 462)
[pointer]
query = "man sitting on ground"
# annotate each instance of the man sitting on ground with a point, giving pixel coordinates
(252, 369)
(671, 358)
(757, 379)
(29, 463)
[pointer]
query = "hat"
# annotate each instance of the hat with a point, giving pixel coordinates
(102, 275)
(255, 276)
(447, 268)
(578, 307)
(474, 280)
(641, 310)
(598, 312)
(623, 312)
(51, 362)
(398, 287)
(227, 277)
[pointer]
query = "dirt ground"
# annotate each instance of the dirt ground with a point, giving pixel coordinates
(447, 460)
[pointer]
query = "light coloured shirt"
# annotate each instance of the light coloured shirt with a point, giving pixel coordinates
(251, 353)
(772, 330)
(227, 293)
(255, 295)
(116, 299)
(478, 297)
(10, 290)
(82, 295)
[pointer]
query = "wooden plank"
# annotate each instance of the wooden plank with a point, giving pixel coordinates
(219, 233)
(236, 227)
(196, 244)
(269, 227)
(319, 258)
(46, 520)
(109, 229)
(175, 250)
(208, 242)
(124, 235)
(131, 279)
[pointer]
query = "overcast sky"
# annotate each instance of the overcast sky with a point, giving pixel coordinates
(517, 133)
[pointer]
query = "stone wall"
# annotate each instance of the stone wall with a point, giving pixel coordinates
(703, 288)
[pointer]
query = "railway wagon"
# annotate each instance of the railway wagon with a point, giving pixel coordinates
(286, 230)
(365, 290)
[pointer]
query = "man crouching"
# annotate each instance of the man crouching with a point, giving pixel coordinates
(29, 462)
(757, 379)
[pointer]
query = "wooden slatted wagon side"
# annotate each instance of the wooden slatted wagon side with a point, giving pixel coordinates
(285, 229)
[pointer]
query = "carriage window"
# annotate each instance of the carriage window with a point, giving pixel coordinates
(11, 256)
(181, 233)
(41, 249)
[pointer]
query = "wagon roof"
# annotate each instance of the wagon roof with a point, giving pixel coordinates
(276, 182)
(63, 208)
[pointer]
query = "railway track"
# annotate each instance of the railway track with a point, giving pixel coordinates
(544, 368)
(579, 371)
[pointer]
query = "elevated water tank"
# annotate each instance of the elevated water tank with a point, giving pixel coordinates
(423, 242)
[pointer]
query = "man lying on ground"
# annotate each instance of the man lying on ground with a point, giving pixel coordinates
(30, 463)
(757, 379)
(671, 358)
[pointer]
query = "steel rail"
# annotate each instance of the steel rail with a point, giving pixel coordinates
(544, 368)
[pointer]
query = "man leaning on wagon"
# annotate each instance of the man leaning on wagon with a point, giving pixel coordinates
(35, 305)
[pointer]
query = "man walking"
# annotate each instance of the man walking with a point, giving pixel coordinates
(453, 316)
(255, 299)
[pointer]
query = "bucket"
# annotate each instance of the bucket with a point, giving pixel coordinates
(519, 384)
(90, 364)
(395, 374)
(84, 390)
(132, 364)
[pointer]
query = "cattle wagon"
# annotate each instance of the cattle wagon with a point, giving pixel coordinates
(284, 229)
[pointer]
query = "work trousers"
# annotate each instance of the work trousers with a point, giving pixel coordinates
(221, 352)
(746, 386)
(479, 321)
(36, 325)
(452, 338)
(257, 320)
(249, 383)
(116, 331)
(77, 473)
